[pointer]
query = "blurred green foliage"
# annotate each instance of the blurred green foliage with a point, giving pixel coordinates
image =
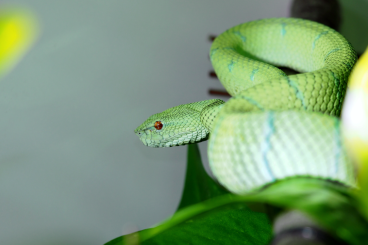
(208, 214)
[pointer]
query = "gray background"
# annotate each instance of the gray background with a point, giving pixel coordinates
(72, 170)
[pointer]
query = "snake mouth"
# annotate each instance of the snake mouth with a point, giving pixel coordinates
(163, 142)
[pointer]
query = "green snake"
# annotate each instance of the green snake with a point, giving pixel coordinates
(275, 126)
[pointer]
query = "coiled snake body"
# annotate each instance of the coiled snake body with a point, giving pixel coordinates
(275, 126)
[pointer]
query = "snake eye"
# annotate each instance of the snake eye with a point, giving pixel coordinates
(158, 125)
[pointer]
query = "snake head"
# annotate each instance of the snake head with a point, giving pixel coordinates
(179, 125)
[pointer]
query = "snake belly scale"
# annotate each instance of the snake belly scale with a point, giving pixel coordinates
(275, 126)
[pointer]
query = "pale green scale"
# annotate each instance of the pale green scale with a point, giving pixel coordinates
(308, 137)
(275, 126)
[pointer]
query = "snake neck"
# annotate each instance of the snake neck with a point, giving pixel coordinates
(210, 112)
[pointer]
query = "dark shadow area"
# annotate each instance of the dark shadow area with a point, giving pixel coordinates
(355, 23)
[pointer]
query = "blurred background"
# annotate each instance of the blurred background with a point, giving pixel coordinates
(72, 170)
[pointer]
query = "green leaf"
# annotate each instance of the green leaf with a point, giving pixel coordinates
(329, 204)
(227, 219)
(332, 206)
(198, 185)
(232, 224)
(227, 225)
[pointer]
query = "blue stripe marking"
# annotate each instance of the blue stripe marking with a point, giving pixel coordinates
(253, 73)
(213, 51)
(283, 30)
(337, 84)
(266, 144)
(299, 95)
(231, 66)
(348, 65)
(338, 145)
(318, 37)
(243, 38)
(332, 51)
(253, 102)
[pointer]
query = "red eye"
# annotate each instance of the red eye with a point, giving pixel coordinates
(158, 125)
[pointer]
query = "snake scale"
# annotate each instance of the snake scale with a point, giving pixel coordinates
(275, 126)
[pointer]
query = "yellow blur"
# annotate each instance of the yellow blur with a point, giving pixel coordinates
(359, 76)
(355, 124)
(18, 31)
(355, 112)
